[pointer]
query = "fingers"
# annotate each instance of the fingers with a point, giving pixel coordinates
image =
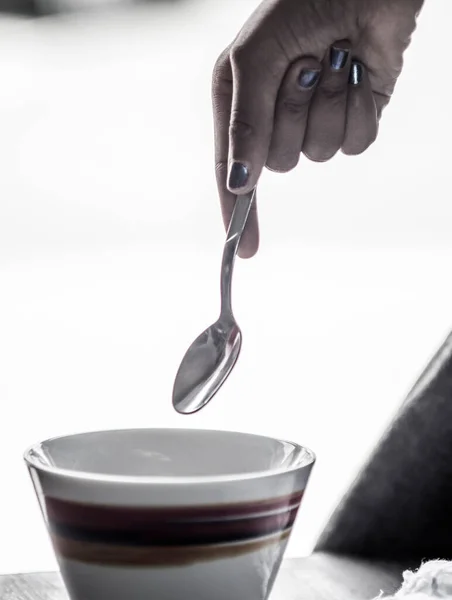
(263, 117)
(222, 91)
(327, 115)
(381, 102)
(291, 115)
(361, 123)
(256, 85)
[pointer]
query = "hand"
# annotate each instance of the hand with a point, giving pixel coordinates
(309, 76)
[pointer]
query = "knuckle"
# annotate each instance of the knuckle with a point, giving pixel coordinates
(319, 154)
(222, 58)
(352, 150)
(240, 129)
(221, 166)
(333, 93)
(221, 62)
(282, 164)
(240, 53)
(381, 102)
(221, 73)
(355, 149)
(357, 143)
(294, 106)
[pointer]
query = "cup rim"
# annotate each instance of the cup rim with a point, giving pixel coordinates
(32, 461)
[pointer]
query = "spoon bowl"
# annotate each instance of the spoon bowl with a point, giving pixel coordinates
(212, 356)
(207, 363)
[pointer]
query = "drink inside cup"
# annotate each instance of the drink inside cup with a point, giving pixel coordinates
(167, 514)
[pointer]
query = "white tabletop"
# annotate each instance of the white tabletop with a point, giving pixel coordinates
(318, 577)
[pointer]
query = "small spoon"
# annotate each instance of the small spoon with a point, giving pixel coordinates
(212, 356)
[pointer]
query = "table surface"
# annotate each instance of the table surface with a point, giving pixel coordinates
(318, 577)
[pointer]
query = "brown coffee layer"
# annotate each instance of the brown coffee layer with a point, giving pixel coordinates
(157, 556)
(95, 516)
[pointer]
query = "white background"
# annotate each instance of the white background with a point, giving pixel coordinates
(110, 241)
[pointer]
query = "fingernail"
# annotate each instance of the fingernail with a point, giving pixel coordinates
(238, 176)
(308, 78)
(356, 73)
(338, 58)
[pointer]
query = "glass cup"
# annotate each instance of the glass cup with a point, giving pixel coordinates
(169, 513)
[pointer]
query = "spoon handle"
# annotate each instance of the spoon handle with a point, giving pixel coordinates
(236, 227)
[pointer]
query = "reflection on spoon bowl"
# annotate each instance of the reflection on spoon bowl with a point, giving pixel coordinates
(206, 365)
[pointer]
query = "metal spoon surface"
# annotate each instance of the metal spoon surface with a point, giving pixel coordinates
(212, 356)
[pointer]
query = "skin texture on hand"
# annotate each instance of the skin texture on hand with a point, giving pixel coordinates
(303, 76)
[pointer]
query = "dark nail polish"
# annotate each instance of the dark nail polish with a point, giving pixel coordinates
(308, 78)
(356, 73)
(338, 58)
(238, 176)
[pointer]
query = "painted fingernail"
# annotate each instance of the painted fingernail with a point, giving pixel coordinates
(338, 58)
(238, 176)
(308, 78)
(356, 73)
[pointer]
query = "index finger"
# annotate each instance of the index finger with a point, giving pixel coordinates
(245, 89)
(257, 75)
(222, 92)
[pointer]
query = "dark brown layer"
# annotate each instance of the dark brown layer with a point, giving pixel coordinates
(171, 527)
(182, 533)
(110, 555)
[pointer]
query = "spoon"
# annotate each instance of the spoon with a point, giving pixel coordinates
(212, 356)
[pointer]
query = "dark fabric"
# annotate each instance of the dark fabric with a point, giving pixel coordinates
(22, 7)
(400, 504)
